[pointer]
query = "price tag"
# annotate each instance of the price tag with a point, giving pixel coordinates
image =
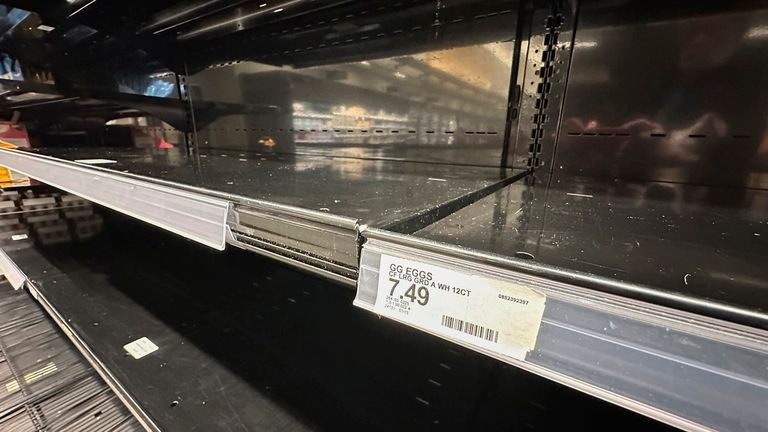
(499, 316)
(140, 347)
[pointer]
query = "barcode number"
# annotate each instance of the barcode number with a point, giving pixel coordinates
(470, 328)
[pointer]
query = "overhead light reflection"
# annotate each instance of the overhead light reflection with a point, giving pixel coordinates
(585, 44)
(219, 24)
(81, 8)
(760, 32)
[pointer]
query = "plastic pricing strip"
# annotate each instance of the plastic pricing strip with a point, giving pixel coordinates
(491, 314)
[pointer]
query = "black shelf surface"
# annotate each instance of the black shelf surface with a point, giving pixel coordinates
(695, 242)
(378, 192)
(46, 384)
(249, 344)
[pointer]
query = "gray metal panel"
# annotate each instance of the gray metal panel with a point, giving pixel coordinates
(663, 92)
(335, 247)
(435, 89)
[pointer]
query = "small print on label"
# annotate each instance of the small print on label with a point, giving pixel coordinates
(17, 237)
(140, 347)
(491, 314)
(95, 161)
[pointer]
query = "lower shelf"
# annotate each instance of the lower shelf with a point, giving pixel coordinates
(248, 344)
(46, 385)
(688, 370)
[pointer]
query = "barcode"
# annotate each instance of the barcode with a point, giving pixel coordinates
(470, 328)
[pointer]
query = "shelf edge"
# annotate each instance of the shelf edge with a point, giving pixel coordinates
(193, 216)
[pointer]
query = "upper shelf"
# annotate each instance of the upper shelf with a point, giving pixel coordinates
(378, 193)
(303, 206)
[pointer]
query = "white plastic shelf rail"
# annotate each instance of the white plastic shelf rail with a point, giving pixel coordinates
(194, 216)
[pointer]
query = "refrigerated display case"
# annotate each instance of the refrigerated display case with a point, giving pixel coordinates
(317, 212)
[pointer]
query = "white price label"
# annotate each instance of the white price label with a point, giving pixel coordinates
(498, 316)
(140, 347)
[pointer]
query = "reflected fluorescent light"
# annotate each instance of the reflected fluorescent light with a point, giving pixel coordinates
(400, 75)
(262, 5)
(757, 33)
(365, 63)
(585, 44)
(45, 28)
(81, 8)
(219, 24)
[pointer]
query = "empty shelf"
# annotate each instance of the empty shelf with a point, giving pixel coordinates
(46, 384)
(246, 343)
(306, 208)
(691, 371)
(654, 294)
(696, 248)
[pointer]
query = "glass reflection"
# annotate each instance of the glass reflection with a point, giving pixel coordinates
(446, 105)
